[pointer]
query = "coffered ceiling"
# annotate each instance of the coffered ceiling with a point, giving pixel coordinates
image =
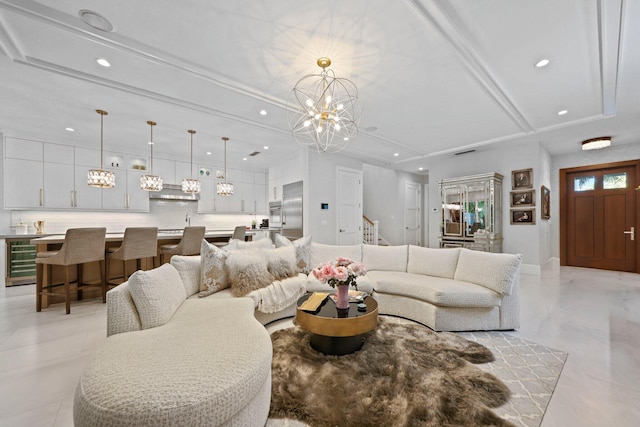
(434, 77)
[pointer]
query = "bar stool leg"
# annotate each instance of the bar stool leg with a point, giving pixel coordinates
(67, 290)
(103, 280)
(39, 278)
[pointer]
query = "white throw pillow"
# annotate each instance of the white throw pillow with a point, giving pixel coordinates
(235, 244)
(281, 262)
(247, 272)
(213, 275)
(188, 267)
(303, 251)
(321, 254)
(494, 271)
(385, 258)
(157, 294)
(433, 262)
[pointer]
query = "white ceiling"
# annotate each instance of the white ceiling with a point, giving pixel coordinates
(434, 77)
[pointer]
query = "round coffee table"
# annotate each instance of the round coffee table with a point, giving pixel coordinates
(338, 332)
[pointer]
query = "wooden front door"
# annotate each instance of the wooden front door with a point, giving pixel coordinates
(600, 213)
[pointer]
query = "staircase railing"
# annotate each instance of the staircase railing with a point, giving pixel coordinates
(369, 231)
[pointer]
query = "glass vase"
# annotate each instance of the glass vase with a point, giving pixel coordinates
(342, 296)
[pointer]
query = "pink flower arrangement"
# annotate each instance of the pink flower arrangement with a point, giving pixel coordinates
(342, 271)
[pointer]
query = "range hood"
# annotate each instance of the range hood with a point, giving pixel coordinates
(173, 192)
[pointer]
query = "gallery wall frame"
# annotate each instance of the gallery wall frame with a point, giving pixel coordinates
(523, 216)
(522, 179)
(545, 203)
(523, 198)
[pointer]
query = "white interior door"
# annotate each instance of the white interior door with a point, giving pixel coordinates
(412, 214)
(349, 206)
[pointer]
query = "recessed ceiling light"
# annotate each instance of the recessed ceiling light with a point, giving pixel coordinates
(346, 138)
(244, 158)
(150, 142)
(208, 153)
(95, 20)
(103, 62)
(69, 129)
(396, 154)
(562, 112)
(266, 147)
(420, 169)
(542, 63)
(263, 112)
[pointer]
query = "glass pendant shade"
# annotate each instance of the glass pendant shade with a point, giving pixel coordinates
(324, 110)
(151, 182)
(100, 178)
(191, 185)
(225, 188)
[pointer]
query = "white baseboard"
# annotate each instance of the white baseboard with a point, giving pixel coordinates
(532, 269)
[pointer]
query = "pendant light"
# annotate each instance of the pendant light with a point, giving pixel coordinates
(225, 188)
(191, 185)
(100, 178)
(151, 182)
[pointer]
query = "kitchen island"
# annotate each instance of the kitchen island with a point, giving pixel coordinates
(91, 271)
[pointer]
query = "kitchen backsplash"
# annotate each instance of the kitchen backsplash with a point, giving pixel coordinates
(161, 213)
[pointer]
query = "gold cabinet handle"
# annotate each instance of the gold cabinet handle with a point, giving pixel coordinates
(42, 197)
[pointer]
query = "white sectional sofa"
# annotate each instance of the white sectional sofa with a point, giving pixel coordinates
(173, 358)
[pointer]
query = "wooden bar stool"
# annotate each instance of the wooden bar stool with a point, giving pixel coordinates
(81, 245)
(190, 244)
(138, 243)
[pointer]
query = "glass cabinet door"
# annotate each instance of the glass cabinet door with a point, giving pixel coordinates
(452, 210)
(475, 208)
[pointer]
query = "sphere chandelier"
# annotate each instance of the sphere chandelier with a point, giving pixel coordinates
(324, 110)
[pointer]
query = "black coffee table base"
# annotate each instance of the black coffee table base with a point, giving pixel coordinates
(336, 346)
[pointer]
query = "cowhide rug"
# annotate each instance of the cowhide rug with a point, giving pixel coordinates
(404, 375)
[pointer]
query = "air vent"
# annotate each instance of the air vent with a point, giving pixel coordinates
(255, 153)
(464, 152)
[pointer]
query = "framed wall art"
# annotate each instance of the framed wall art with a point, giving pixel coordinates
(545, 212)
(523, 216)
(523, 198)
(522, 179)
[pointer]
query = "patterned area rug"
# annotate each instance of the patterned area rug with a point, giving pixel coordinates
(529, 370)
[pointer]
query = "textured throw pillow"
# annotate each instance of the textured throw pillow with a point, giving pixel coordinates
(157, 294)
(494, 271)
(247, 272)
(213, 276)
(188, 267)
(235, 244)
(385, 258)
(433, 262)
(281, 262)
(303, 251)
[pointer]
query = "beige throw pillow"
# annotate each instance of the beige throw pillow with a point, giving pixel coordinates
(213, 276)
(247, 272)
(303, 251)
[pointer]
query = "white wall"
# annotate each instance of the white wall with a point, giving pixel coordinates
(544, 225)
(524, 239)
(383, 199)
(320, 187)
(582, 158)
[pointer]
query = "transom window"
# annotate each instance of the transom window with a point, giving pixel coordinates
(584, 183)
(614, 180)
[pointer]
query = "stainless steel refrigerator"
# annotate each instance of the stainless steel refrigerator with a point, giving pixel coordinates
(292, 210)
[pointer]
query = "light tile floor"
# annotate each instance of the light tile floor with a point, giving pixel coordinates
(593, 315)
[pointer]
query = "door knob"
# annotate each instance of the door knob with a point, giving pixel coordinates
(632, 232)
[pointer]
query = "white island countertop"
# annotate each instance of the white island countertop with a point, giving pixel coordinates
(162, 235)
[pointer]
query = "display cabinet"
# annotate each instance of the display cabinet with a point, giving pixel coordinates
(472, 212)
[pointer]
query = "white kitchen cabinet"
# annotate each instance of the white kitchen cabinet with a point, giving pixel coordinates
(221, 203)
(166, 169)
(85, 197)
(59, 186)
(260, 178)
(248, 199)
(115, 198)
(137, 198)
(183, 170)
(207, 196)
(23, 183)
(87, 157)
(260, 195)
(292, 170)
(24, 149)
